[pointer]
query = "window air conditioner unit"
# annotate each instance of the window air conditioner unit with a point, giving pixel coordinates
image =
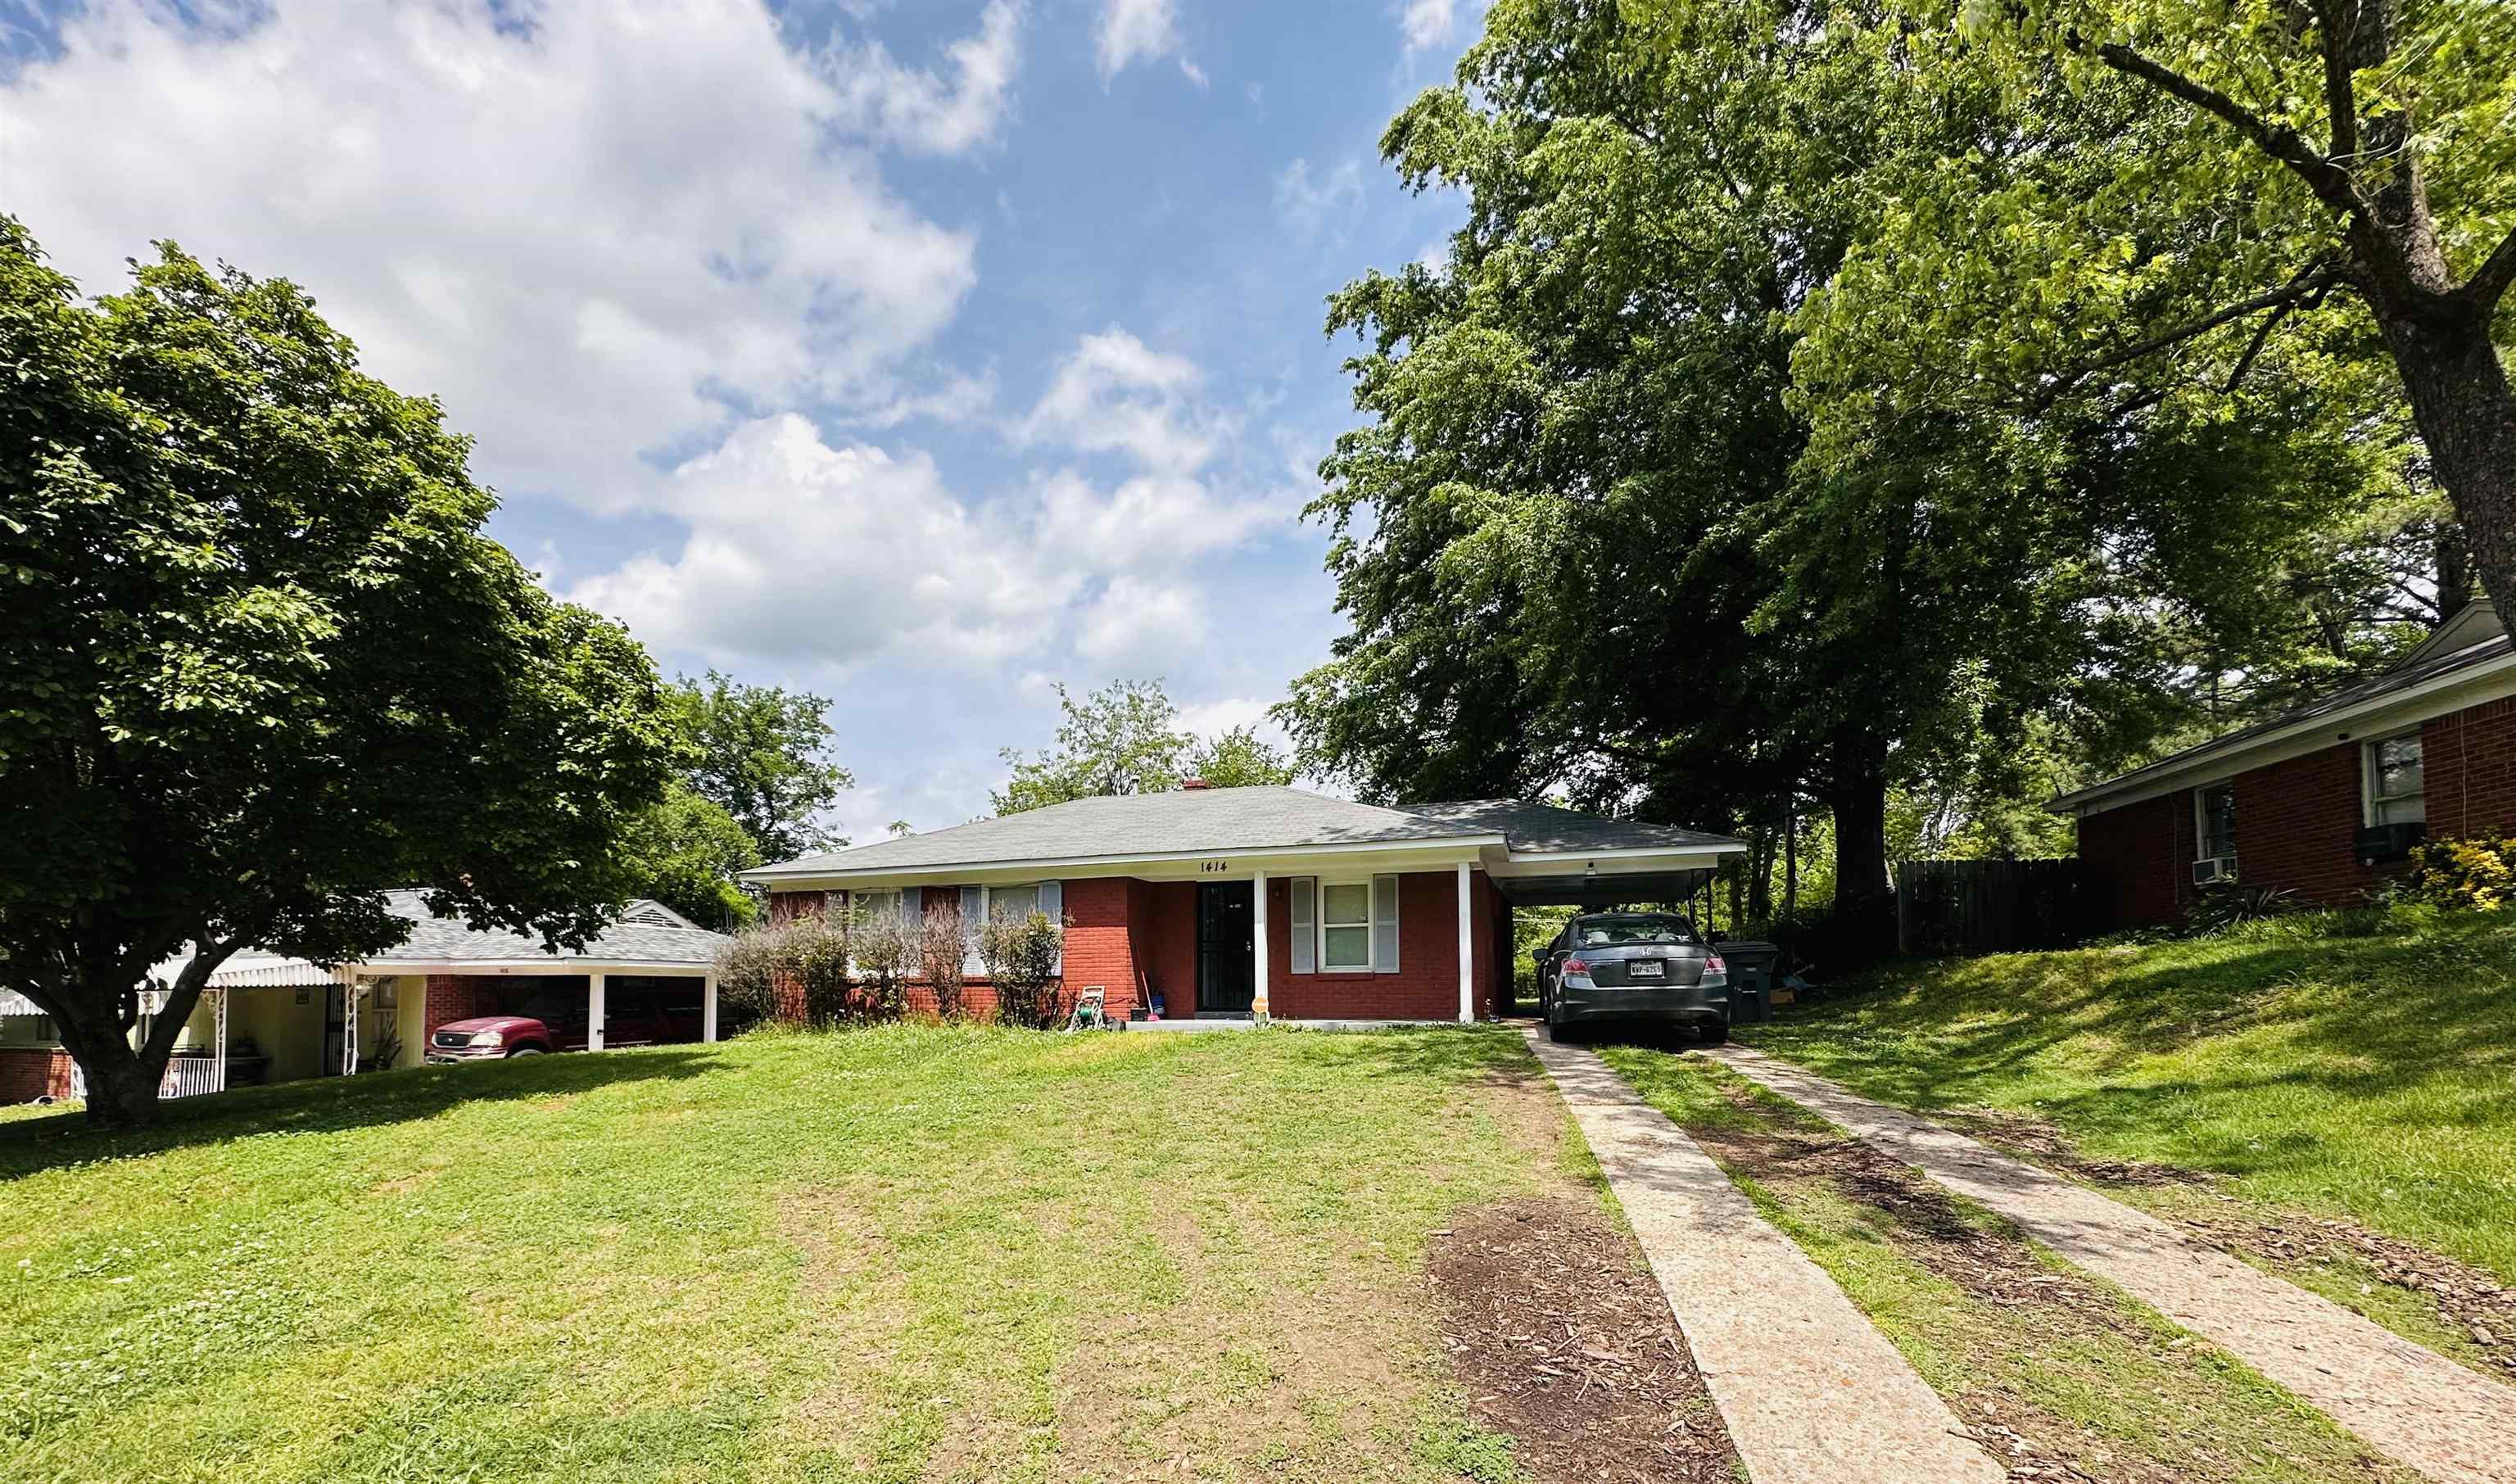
(2379, 843)
(2211, 869)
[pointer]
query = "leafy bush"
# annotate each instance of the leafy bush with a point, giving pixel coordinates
(1020, 954)
(785, 969)
(886, 946)
(943, 954)
(2459, 875)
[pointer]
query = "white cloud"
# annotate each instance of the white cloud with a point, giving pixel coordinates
(914, 109)
(600, 229)
(1116, 393)
(800, 550)
(1308, 205)
(1427, 22)
(1139, 624)
(1142, 30)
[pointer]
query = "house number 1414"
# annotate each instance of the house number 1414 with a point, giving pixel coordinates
(1213, 867)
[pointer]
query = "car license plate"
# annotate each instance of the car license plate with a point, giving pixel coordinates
(1648, 969)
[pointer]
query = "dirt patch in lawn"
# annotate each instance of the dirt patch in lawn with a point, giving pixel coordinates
(1561, 1339)
(2466, 1299)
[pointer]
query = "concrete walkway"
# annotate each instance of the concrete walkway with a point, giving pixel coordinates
(1812, 1393)
(2402, 1399)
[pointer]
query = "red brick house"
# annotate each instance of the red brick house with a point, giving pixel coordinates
(1229, 902)
(2325, 801)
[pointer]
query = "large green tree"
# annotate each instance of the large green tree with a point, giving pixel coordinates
(762, 753)
(259, 664)
(2309, 181)
(1580, 540)
(1127, 737)
(685, 851)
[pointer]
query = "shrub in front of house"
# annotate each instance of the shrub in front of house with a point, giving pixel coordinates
(886, 948)
(1020, 956)
(941, 953)
(792, 970)
(2472, 874)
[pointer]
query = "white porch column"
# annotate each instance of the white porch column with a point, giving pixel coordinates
(708, 1009)
(594, 1011)
(219, 1043)
(1467, 946)
(349, 1023)
(1258, 944)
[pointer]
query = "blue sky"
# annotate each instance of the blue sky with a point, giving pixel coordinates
(920, 354)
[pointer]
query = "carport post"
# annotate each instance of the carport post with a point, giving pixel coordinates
(594, 1011)
(707, 1008)
(1467, 946)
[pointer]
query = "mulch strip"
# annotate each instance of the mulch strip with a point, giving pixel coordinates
(1563, 1340)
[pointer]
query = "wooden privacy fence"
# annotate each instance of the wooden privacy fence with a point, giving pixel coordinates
(1993, 906)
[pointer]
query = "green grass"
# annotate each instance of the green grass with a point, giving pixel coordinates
(905, 1254)
(2095, 1379)
(2371, 1078)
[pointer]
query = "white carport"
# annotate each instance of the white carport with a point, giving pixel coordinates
(649, 942)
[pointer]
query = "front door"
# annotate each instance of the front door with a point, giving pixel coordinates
(336, 1027)
(1226, 951)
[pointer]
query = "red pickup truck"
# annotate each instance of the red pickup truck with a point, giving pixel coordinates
(553, 1024)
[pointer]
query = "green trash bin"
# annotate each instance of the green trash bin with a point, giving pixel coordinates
(1751, 978)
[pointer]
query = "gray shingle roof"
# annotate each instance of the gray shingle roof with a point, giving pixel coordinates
(639, 937)
(2423, 666)
(1194, 821)
(1543, 828)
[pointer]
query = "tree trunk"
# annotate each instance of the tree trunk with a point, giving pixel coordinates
(1863, 920)
(1792, 856)
(2467, 416)
(121, 1080)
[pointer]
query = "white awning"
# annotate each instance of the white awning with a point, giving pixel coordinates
(17, 1004)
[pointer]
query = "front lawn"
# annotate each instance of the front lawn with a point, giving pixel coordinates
(907, 1254)
(2367, 1077)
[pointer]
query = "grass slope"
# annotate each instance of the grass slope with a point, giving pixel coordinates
(2371, 1078)
(893, 1255)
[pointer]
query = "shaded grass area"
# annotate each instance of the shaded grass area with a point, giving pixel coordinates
(2057, 1374)
(893, 1255)
(2371, 1078)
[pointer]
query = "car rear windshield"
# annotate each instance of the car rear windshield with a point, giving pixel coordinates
(1609, 932)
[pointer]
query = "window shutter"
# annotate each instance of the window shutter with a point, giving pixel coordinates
(973, 913)
(1305, 926)
(1384, 925)
(1052, 901)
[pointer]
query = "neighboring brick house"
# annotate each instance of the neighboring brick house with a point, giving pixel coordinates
(2325, 801)
(1226, 902)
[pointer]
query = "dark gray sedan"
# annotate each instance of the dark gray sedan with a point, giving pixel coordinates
(1633, 968)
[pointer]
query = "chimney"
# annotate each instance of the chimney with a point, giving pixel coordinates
(1194, 782)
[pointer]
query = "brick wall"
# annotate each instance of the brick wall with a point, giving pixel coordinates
(1122, 933)
(2469, 759)
(460, 996)
(2298, 819)
(28, 1073)
(1426, 986)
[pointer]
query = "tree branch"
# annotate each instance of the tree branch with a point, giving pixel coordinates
(2307, 280)
(2340, 99)
(2496, 274)
(2330, 183)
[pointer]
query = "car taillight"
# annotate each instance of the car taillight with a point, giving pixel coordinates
(1714, 965)
(1576, 966)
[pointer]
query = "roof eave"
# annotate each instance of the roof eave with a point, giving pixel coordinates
(771, 876)
(2211, 758)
